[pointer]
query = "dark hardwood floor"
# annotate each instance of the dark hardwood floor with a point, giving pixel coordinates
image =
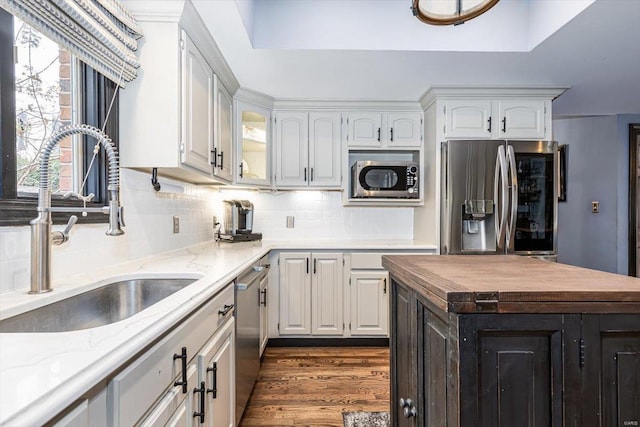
(314, 385)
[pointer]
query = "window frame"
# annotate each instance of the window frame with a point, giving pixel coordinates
(96, 92)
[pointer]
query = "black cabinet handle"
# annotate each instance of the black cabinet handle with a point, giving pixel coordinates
(489, 121)
(378, 134)
(183, 356)
(315, 264)
(504, 124)
(307, 265)
(221, 155)
(264, 297)
(214, 380)
(240, 170)
(311, 174)
(200, 413)
(225, 310)
(385, 285)
(305, 174)
(214, 157)
(391, 134)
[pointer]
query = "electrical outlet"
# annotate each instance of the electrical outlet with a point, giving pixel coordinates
(176, 224)
(595, 206)
(289, 222)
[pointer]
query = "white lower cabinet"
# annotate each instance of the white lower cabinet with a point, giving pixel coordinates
(216, 370)
(311, 289)
(369, 309)
(164, 386)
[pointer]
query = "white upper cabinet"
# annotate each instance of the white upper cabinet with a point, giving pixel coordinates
(324, 149)
(497, 119)
(253, 142)
(197, 111)
(405, 129)
(223, 147)
(307, 149)
(468, 119)
(522, 119)
(368, 130)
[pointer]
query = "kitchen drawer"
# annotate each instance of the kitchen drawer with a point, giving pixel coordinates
(134, 390)
(171, 402)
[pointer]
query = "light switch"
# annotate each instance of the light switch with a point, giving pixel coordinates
(595, 206)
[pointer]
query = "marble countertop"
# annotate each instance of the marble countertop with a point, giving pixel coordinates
(43, 373)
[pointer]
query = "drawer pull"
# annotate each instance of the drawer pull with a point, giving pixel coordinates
(225, 310)
(264, 297)
(214, 380)
(183, 357)
(200, 413)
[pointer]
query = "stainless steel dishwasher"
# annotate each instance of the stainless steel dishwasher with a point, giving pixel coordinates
(248, 331)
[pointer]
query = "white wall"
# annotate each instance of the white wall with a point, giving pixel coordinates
(598, 163)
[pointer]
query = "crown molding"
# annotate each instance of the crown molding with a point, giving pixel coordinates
(254, 97)
(492, 92)
(345, 105)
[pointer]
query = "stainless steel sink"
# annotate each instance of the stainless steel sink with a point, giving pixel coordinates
(102, 306)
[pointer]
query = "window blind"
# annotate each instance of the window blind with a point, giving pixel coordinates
(99, 32)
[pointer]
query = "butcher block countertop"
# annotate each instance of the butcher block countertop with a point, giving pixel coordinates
(513, 284)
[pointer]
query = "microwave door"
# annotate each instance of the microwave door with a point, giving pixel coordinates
(532, 228)
(469, 205)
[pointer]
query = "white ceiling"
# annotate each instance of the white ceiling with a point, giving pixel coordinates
(375, 49)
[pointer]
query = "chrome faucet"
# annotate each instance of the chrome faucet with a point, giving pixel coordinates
(41, 236)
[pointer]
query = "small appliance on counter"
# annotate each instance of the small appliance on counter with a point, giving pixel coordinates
(238, 222)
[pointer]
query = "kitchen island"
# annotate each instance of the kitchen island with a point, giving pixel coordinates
(508, 340)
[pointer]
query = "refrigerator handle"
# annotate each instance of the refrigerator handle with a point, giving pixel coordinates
(500, 193)
(514, 197)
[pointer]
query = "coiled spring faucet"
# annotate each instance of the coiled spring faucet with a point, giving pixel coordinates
(41, 236)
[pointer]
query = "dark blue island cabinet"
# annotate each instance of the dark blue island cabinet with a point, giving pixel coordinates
(488, 341)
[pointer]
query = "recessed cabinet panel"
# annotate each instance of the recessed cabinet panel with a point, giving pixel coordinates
(224, 139)
(295, 294)
(404, 130)
(521, 119)
(292, 145)
(326, 294)
(468, 119)
(324, 159)
(365, 130)
(198, 111)
(369, 303)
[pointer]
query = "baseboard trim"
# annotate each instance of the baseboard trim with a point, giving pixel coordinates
(328, 342)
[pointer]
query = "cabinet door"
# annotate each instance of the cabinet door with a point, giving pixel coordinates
(264, 313)
(611, 370)
(369, 303)
(365, 130)
(224, 138)
(324, 149)
(217, 370)
(253, 142)
(404, 130)
(469, 119)
(197, 108)
(517, 369)
(521, 119)
(326, 294)
(404, 366)
(292, 149)
(295, 294)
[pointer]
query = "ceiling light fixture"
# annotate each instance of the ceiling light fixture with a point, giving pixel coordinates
(450, 12)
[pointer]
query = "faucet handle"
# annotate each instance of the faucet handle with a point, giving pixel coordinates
(59, 237)
(69, 194)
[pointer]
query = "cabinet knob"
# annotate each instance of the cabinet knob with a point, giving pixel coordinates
(410, 411)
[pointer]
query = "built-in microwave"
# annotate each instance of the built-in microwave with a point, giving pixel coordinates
(385, 179)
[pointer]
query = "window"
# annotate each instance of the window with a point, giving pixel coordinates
(41, 90)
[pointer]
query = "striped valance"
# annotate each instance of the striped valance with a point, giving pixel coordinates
(99, 32)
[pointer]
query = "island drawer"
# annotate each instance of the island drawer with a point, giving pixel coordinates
(134, 390)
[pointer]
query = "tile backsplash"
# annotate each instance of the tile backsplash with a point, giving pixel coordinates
(148, 216)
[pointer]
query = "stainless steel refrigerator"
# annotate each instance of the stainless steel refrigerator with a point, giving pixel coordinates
(499, 197)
